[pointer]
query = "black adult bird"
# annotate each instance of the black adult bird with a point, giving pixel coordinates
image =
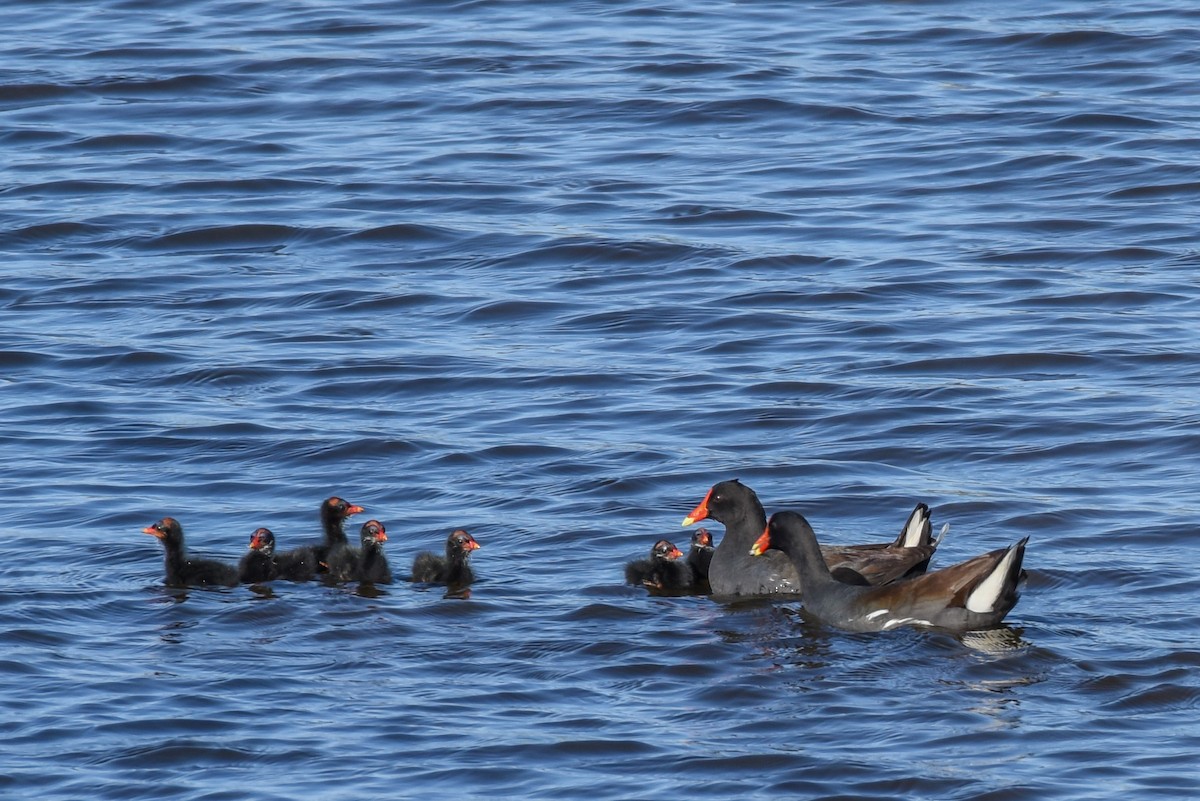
(183, 570)
(367, 563)
(733, 572)
(452, 569)
(975, 594)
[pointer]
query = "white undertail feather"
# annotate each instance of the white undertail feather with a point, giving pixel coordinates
(914, 532)
(983, 598)
(945, 530)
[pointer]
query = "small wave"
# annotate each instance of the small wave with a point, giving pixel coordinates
(1104, 122)
(24, 94)
(50, 234)
(512, 311)
(405, 234)
(1184, 190)
(252, 236)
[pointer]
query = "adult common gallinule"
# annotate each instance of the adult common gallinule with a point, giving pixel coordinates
(734, 572)
(975, 594)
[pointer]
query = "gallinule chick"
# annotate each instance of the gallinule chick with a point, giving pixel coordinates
(452, 569)
(258, 565)
(733, 571)
(661, 570)
(971, 595)
(367, 563)
(183, 570)
(298, 564)
(334, 512)
(700, 555)
(261, 563)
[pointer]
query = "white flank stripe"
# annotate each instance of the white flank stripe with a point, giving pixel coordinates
(874, 615)
(984, 597)
(900, 621)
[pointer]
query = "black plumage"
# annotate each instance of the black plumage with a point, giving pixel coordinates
(258, 564)
(262, 562)
(452, 569)
(734, 572)
(366, 563)
(334, 512)
(661, 570)
(700, 555)
(183, 570)
(298, 564)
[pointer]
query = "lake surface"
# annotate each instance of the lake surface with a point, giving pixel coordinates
(547, 273)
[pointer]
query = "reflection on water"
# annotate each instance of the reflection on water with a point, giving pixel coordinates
(367, 589)
(174, 631)
(263, 592)
(1001, 640)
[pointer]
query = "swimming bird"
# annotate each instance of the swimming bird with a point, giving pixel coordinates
(333, 512)
(366, 563)
(452, 569)
(700, 555)
(971, 595)
(258, 564)
(732, 572)
(263, 563)
(183, 570)
(663, 569)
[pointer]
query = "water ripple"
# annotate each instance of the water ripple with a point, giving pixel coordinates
(548, 277)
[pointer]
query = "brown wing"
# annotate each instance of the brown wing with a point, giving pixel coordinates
(878, 564)
(947, 587)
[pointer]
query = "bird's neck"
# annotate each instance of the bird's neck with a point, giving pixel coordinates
(335, 534)
(174, 558)
(802, 548)
(371, 554)
(745, 523)
(456, 566)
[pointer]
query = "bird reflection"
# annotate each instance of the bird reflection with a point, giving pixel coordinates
(1000, 640)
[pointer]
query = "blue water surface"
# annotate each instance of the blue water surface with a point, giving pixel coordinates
(547, 273)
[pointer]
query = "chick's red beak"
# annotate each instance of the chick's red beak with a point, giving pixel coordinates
(700, 512)
(154, 532)
(353, 510)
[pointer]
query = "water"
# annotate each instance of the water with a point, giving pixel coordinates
(548, 275)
